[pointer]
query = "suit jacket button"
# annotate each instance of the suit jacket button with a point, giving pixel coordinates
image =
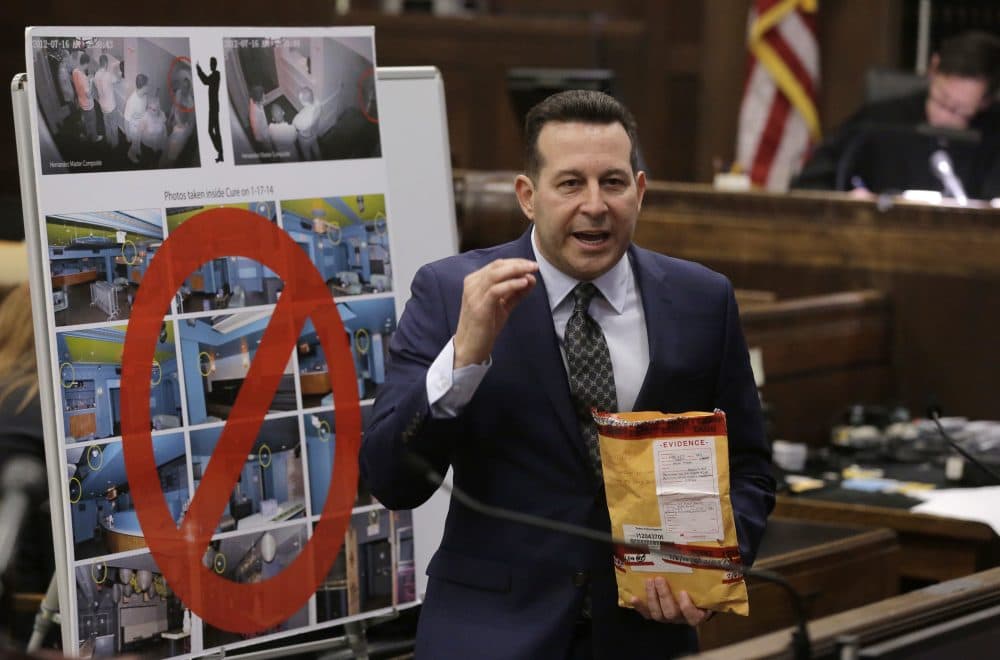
(579, 578)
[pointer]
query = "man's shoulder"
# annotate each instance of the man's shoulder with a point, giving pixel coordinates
(655, 265)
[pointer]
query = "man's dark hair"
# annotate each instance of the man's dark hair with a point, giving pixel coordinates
(587, 106)
(84, 59)
(103, 61)
(141, 80)
(973, 54)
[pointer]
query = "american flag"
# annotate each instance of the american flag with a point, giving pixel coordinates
(778, 117)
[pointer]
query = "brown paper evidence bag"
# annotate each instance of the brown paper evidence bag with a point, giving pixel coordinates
(667, 483)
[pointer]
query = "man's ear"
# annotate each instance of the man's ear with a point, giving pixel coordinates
(525, 191)
(932, 66)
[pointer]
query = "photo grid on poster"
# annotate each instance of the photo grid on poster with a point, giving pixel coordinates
(201, 103)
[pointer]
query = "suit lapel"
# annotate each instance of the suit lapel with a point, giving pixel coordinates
(537, 345)
(658, 310)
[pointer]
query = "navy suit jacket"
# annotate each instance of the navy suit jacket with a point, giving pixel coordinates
(506, 590)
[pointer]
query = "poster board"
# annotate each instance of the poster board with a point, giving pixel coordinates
(98, 221)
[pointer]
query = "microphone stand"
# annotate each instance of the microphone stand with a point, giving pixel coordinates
(801, 646)
(21, 476)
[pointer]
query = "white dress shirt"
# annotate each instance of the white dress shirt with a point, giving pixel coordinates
(618, 310)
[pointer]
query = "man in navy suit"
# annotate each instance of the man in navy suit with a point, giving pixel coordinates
(478, 380)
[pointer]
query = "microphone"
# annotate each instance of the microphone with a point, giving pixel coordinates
(22, 478)
(942, 168)
(801, 646)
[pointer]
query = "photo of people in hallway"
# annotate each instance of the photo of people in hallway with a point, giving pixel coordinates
(108, 104)
(97, 261)
(295, 99)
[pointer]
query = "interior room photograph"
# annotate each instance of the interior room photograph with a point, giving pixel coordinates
(217, 353)
(346, 238)
(369, 324)
(102, 511)
(97, 260)
(321, 444)
(90, 363)
(271, 484)
(248, 558)
(226, 282)
(125, 606)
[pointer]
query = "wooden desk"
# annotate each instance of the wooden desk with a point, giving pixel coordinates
(885, 619)
(934, 549)
(315, 382)
(68, 279)
(820, 355)
(938, 265)
(818, 559)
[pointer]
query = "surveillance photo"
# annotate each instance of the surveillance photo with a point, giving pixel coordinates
(294, 99)
(108, 104)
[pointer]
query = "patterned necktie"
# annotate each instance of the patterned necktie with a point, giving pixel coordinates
(591, 378)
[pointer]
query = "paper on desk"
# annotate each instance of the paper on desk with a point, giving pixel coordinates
(979, 504)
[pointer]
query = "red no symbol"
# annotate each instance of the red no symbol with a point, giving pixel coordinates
(178, 550)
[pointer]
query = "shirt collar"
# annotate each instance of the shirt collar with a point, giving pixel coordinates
(613, 284)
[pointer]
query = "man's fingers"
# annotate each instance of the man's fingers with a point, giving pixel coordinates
(508, 288)
(653, 605)
(692, 613)
(499, 271)
(660, 605)
(489, 295)
(666, 599)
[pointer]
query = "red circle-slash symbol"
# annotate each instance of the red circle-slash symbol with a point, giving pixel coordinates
(178, 549)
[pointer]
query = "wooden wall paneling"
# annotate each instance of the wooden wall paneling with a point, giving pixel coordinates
(482, 50)
(855, 35)
(820, 355)
(818, 570)
(722, 73)
(939, 265)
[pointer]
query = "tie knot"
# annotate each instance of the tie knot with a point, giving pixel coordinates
(583, 294)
